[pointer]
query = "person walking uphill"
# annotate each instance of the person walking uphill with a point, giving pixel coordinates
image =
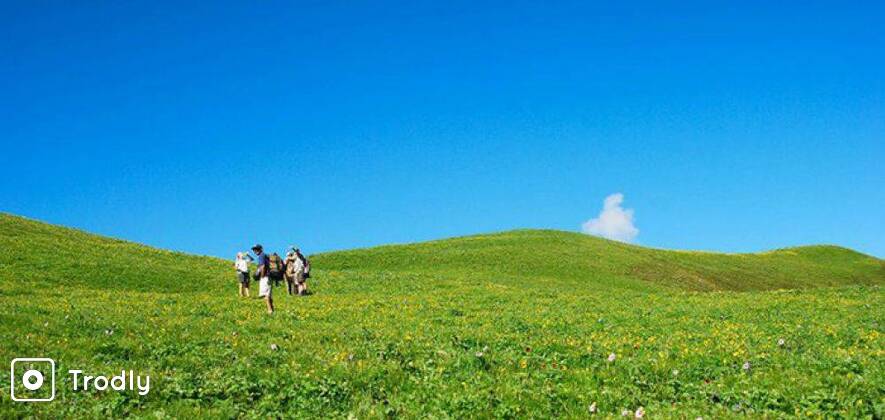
(294, 273)
(304, 271)
(265, 288)
(241, 264)
(275, 268)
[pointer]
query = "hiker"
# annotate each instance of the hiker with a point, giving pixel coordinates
(294, 272)
(265, 288)
(305, 271)
(241, 264)
(275, 268)
(295, 268)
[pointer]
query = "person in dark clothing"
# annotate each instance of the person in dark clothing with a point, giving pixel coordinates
(265, 287)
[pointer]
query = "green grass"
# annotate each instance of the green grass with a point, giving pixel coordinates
(516, 324)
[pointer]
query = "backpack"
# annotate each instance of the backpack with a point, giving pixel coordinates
(275, 266)
(306, 268)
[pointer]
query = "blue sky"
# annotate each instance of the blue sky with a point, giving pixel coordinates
(210, 126)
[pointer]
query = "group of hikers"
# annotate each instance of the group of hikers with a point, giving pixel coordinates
(271, 270)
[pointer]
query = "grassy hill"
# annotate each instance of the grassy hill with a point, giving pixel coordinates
(572, 257)
(37, 251)
(513, 324)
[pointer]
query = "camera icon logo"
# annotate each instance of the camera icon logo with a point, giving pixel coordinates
(32, 379)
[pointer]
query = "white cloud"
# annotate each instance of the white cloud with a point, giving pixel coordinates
(613, 222)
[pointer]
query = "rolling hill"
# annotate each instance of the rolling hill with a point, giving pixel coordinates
(35, 251)
(526, 323)
(574, 257)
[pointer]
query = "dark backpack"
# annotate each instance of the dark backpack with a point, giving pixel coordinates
(275, 266)
(306, 264)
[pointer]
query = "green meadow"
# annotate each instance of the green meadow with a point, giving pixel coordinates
(521, 324)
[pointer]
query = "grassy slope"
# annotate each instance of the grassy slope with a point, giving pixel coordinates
(511, 324)
(42, 253)
(567, 256)
(35, 251)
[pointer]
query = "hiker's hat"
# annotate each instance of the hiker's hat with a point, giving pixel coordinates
(257, 247)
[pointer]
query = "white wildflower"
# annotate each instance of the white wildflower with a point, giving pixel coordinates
(612, 357)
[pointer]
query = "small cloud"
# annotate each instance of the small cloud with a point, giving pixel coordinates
(613, 222)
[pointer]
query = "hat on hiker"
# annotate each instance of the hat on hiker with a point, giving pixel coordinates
(294, 248)
(257, 247)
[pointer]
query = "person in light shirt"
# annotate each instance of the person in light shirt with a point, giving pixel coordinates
(241, 264)
(304, 272)
(294, 273)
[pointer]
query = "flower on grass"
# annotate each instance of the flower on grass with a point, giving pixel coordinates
(781, 342)
(675, 372)
(612, 357)
(640, 412)
(592, 408)
(626, 413)
(746, 366)
(274, 347)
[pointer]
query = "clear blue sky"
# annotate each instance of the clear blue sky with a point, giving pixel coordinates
(733, 126)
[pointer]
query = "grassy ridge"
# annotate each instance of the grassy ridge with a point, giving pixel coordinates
(575, 257)
(519, 324)
(37, 251)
